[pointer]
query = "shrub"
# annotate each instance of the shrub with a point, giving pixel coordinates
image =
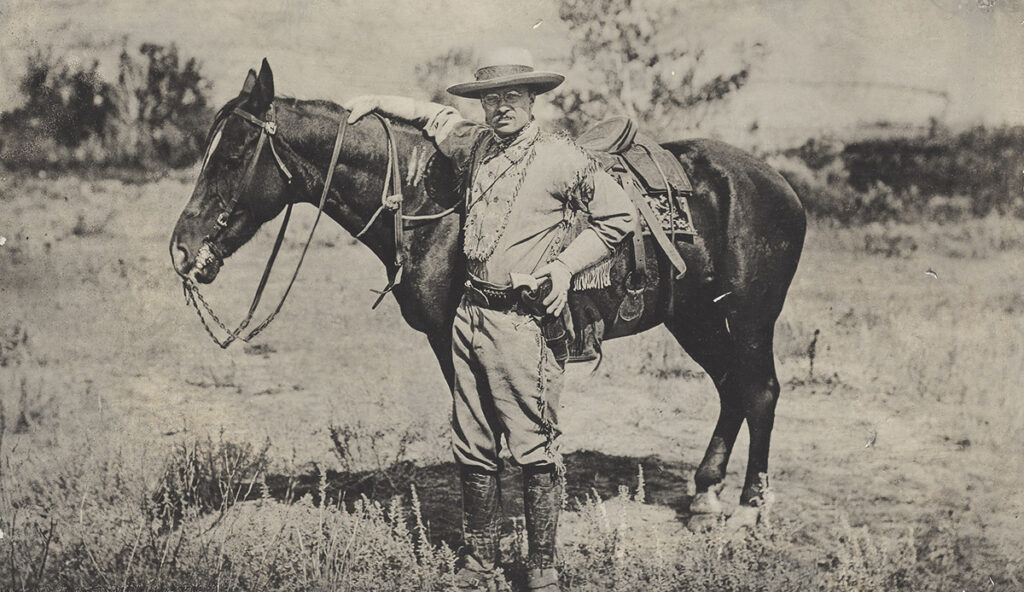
(162, 110)
(982, 163)
(66, 104)
(78, 518)
(207, 476)
(153, 117)
(939, 176)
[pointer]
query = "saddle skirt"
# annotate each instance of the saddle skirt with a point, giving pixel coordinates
(616, 292)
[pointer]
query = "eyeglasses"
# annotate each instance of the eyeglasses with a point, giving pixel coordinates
(510, 97)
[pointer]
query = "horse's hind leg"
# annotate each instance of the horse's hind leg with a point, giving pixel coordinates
(705, 336)
(739, 359)
(756, 388)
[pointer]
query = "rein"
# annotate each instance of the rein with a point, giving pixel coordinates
(192, 295)
(391, 200)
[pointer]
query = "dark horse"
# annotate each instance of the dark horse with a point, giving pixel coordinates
(749, 221)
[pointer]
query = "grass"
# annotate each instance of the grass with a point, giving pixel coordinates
(134, 456)
(92, 533)
(946, 328)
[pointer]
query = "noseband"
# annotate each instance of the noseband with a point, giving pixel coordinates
(268, 129)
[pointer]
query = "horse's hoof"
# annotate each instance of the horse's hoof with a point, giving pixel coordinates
(706, 503)
(703, 522)
(744, 516)
(706, 511)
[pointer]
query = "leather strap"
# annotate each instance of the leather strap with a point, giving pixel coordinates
(671, 225)
(338, 140)
(668, 190)
(505, 299)
(639, 250)
(634, 193)
(267, 130)
(391, 199)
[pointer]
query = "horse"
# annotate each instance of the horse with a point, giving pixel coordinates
(750, 231)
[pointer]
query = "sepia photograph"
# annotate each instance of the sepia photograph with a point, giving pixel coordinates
(522, 295)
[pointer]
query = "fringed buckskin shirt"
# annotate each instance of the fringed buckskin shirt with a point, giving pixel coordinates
(529, 197)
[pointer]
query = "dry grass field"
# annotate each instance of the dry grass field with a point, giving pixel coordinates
(136, 455)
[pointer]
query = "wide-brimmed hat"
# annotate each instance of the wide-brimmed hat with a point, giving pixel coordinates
(507, 66)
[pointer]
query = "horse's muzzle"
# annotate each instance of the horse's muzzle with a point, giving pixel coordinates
(206, 265)
(202, 269)
(180, 258)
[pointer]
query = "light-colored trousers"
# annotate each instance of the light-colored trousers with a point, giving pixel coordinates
(507, 386)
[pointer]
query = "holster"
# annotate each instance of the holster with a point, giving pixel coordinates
(557, 331)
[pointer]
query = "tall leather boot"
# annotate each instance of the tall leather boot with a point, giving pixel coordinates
(476, 571)
(542, 501)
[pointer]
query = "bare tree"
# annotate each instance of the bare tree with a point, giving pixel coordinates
(629, 57)
(640, 59)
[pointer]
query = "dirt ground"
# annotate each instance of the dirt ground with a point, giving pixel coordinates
(907, 416)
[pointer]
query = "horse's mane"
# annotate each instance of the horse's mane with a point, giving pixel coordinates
(312, 106)
(317, 107)
(332, 109)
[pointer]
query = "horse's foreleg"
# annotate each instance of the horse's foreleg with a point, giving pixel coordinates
(711, 472)
(441, 343)
(705, 507)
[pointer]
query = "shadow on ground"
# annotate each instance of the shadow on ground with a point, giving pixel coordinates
(666, 483)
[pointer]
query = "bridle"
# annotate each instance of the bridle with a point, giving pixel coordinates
(391, 200)
(268, 130)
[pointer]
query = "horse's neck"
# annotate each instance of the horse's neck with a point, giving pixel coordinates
(359, 176)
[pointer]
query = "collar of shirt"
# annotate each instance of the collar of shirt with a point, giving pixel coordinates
(516, 146)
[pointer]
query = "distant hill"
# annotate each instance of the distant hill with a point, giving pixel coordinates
(831, 68)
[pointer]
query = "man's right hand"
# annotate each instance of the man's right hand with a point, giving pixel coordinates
(360, 106)
(415, 112)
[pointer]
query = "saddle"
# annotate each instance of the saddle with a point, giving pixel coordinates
(616, 141)
(659, 187)
(652, 177)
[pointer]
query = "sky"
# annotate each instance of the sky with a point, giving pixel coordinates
(831, 65)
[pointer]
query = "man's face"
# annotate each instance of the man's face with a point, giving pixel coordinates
(507, 110)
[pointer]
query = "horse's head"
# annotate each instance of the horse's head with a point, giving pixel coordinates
(242, 184)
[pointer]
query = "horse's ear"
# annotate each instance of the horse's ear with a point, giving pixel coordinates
(265, 84)
(250, 82)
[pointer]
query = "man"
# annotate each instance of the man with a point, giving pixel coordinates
(538, 208)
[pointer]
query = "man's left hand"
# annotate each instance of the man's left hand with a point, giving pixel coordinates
(560, 276)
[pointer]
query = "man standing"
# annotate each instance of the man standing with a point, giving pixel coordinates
(537, 207)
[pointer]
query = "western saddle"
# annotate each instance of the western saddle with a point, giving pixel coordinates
(656, 183)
